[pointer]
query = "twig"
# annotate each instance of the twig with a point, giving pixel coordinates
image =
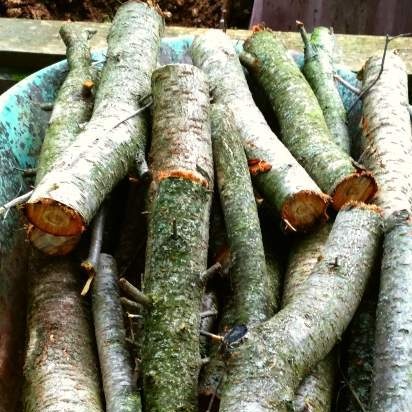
(303, 33)
(212, 399)
(211, 335)
(139, 110)
(134, 293)
(204, 361)
(345, 83)
(222, 21)
(364, 92)
(208, 313)
(207, 274)
(15, 202)
(134, 316)
(131, 304)
(90, 265)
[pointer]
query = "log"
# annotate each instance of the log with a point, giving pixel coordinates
(66, 199)
(117, 374)
(303, 126)
(71, 109)
(60, 370)
(319, 70)
(292, 342)
(317, 388)
(391, 388)
(248, 271)
(386, 139)
(176, 254)
(283, 182)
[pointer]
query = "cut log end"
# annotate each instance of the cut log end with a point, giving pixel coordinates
(50, 244)
(54, 218)
(360, 186)
(305, 210)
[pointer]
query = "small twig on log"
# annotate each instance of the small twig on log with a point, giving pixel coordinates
(207, 274)
(134, 293)
(223, 16)
(46, 106)
(204, 361)
(211, 335)
(208, 313)
(134, 316)
(131, 304)
(136, 112)
(143, 172)
(15, 202)
(303, 32)
(90, 265)
(345, 83)
(27, 172)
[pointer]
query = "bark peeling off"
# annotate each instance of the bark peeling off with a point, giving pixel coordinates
(248, 271)
(117, 374)
(303, 126)
(267, 369)
(102, 154)
(318, 70)
(286, 186)
(386, 141)
(391, 389)
(60, 371)
(177, 244)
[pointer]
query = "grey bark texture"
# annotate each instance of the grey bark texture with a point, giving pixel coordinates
(66, 199)
(268, 367)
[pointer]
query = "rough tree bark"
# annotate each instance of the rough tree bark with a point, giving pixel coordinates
(117, 374)
(176, 254)
(60, 371)
(319, 70)
(72, 108)
(315, 392)
(248, 271)
(266, 370)
(303, 126)
(386, 124)
(67, 198)
(391, 388)
(282, 181)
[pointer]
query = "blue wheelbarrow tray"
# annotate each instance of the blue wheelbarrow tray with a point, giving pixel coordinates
(23, 123)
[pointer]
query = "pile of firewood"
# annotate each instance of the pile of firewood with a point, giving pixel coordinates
(220, 320)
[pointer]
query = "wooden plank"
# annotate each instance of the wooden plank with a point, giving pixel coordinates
(31, 44)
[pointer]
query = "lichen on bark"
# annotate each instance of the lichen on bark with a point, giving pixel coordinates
(176, 254)
(286, 186)
(303, 127)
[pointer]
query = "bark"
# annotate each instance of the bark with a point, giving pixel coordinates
(291, 343)
(176, 255)
(60, 371)
(248, 271)
(286, 186)
(318, 70)
(67, 198)
(315, 392)
(386, 125)
(72, 108)
(117, 374)
(391, 389)
(303, 126)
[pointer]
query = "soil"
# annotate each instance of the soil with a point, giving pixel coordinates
(195, 13)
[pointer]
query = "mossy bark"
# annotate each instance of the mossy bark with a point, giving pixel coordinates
(66, 199)
(386, 124)
(286, 186)
(71, 109)
(318, 70)
(391, 389)
(266, 370)
(117, 374)
(315, 392)
(248, 271)
(176, 254)
(60, 371)
(303, 126)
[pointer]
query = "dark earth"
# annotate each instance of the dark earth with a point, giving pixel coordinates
(195, 13)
